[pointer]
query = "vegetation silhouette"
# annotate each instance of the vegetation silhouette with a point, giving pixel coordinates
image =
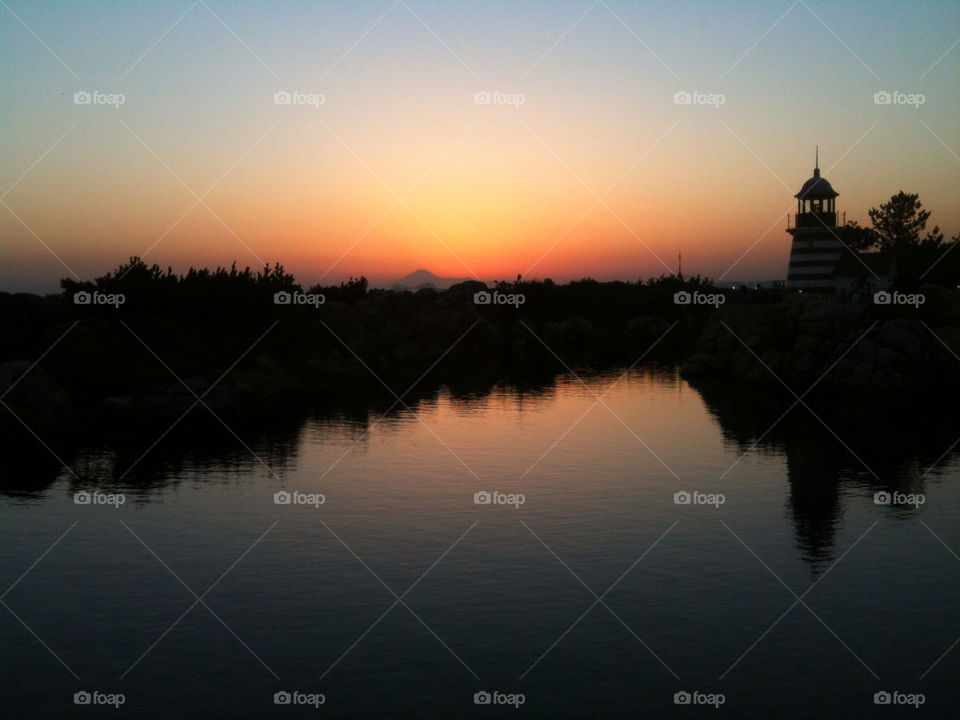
(897, 231)
(143, 345)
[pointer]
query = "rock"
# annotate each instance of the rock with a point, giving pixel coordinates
(903, 334)
(889, 359)
(192, 383)
(264, 363)
(801, 339)
(118, 402)
(863, 372)
(806, 343)
(866, 351)
(34, 397)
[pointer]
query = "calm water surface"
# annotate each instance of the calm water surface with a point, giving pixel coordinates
(400, 596)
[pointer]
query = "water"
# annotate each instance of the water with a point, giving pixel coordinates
(399, 596)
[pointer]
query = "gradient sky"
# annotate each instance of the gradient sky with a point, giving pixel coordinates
(399, 168)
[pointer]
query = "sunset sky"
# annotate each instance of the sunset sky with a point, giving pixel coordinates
(597, 172)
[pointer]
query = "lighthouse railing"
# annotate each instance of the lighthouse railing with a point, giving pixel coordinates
(815, 220)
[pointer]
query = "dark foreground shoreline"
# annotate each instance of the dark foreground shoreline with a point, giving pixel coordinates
(70, 370)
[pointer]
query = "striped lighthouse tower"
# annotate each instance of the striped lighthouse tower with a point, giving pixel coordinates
(816, 249)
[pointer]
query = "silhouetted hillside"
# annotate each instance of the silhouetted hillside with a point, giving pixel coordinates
(419, 279)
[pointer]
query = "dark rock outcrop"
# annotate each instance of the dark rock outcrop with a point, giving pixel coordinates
(803, 341)
(33, 398)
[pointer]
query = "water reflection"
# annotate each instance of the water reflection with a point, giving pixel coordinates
(851, 446)
(832, 445)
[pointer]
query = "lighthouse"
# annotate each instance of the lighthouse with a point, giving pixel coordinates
(816, 250)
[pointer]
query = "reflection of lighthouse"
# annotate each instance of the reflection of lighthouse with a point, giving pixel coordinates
(816, 248)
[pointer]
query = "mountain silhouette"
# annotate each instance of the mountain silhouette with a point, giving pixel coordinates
(424, 278)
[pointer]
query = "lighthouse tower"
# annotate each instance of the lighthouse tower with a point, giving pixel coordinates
(816, 249)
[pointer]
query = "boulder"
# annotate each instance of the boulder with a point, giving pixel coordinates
(34, 397)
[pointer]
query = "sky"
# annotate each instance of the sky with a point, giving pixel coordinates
(474, 139)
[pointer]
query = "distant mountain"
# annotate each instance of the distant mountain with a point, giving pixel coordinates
(421, 279)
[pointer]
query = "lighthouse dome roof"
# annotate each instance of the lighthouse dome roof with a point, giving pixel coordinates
(816, 188)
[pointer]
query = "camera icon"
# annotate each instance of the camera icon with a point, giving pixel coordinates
(482, 498)
(482, 298)
(81, 698)
(82, 98)
(81, 498)
(882, 298)
(482, 98)
(82, 298)
(282, 97)
(282, 298)
(282, 698)
(682, 98)
(682, 298)
(882, 498)
(882, 698)
(282, 498)
(681, 698)
(482, 698)
(882, 98)
(681, 498)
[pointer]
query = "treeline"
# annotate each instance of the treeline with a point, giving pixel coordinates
(898, 229)
(203, 290)
(233, 293)
(139, 328)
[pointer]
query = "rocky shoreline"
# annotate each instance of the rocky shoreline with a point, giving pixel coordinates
(803, 341)
(137, 367)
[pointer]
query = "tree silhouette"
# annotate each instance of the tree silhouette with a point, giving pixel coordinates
(899, 222)
(898, 230)
(857, 238)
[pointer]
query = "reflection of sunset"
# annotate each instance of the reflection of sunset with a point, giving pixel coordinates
(527, 443)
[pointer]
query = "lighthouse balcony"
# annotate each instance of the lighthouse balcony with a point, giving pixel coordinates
(812, 220)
